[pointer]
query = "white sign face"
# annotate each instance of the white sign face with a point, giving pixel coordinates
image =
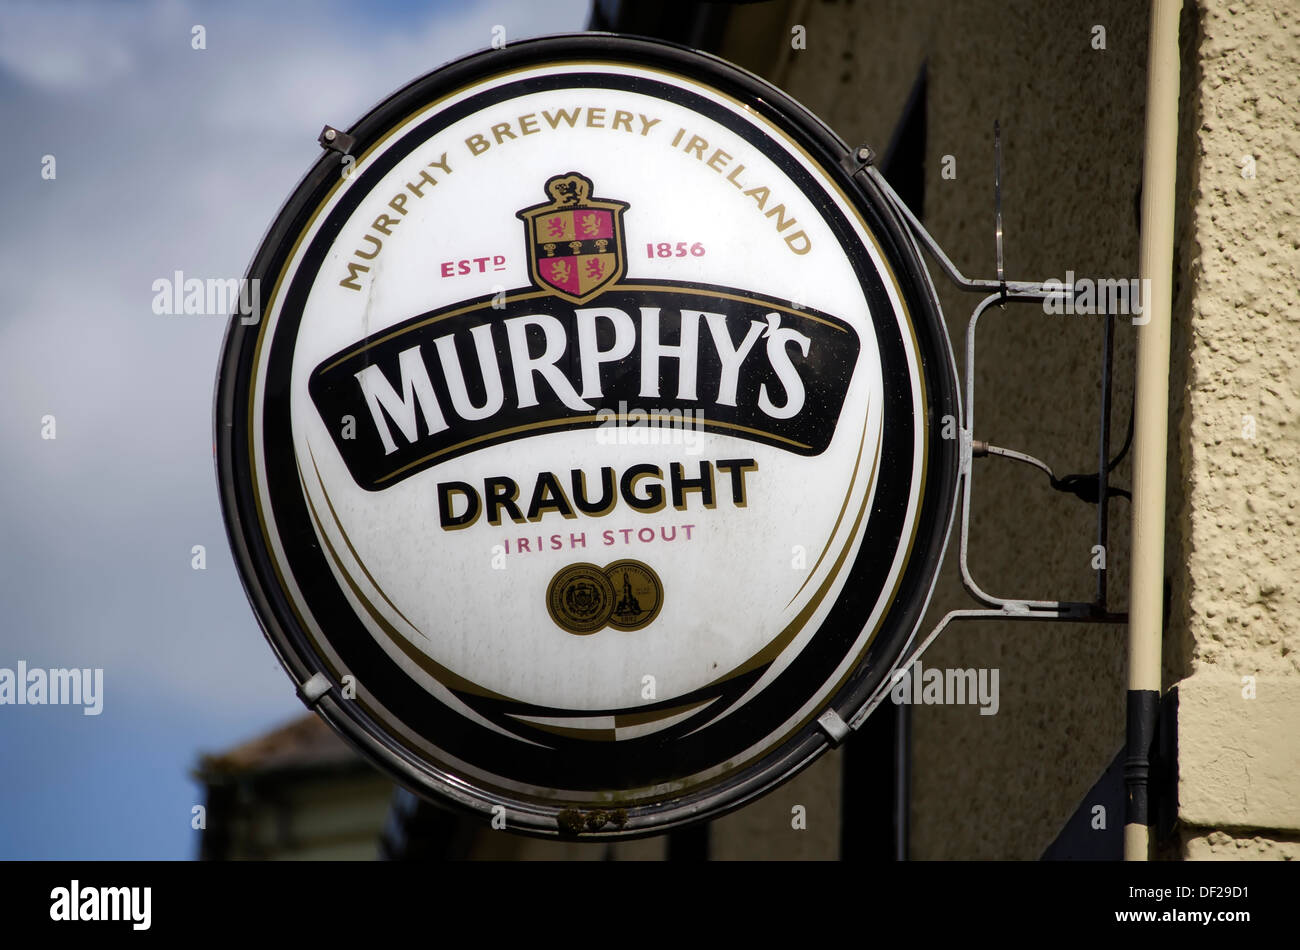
(583, 444)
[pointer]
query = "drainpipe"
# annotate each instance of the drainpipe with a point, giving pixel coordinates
(1151, 422)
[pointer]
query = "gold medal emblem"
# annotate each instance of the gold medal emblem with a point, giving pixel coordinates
(626, 595)
(580, 599)
(638, 594)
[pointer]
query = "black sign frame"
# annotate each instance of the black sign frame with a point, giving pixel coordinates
(938, 503)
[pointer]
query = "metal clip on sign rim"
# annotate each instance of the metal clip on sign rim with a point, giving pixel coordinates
(999, 291)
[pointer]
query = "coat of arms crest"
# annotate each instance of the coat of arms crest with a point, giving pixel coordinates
(575, 241)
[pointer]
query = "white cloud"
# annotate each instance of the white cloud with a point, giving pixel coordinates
(78, 48)
(169, 159)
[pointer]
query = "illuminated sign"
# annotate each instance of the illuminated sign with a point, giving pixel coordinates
(588, 449)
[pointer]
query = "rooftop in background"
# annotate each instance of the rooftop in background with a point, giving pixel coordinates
(297, 792)
(306, 743)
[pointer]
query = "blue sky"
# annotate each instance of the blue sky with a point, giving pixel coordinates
(166, 158)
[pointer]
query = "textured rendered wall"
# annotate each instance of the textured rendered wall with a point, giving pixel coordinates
(1239, 615)
(1072, 117)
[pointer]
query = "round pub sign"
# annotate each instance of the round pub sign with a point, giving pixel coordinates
(585, 461)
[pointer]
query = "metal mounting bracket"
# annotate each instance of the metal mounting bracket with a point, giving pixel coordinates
(997, 291)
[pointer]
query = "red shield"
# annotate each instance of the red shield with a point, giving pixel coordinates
(575, 242)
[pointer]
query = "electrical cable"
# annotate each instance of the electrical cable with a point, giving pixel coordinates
(1083, 485)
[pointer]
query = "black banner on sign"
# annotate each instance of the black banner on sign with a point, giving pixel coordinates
(665, 355)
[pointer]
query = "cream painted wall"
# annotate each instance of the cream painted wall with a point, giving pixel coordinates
(1239, 612)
